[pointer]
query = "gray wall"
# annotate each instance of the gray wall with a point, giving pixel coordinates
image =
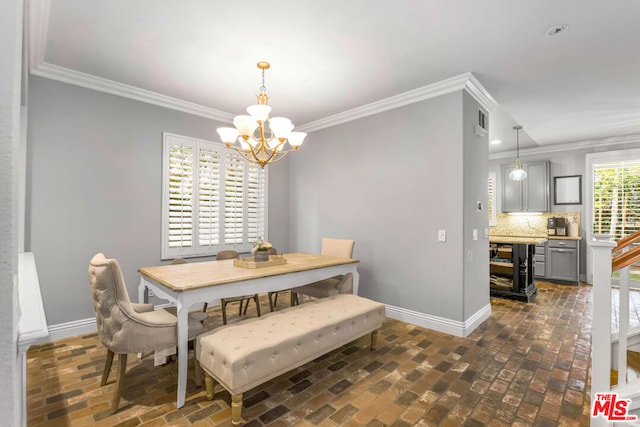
(475, 167)
(10, 70)
(94, 185)
(390, 181)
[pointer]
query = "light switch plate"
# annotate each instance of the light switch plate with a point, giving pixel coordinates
(442, 235)
(475, 234)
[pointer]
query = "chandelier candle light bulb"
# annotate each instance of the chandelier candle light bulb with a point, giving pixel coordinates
(266, 147)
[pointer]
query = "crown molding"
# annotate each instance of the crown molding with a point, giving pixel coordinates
(592, 143)
(90, 81)
(465, 81)
(38, 12)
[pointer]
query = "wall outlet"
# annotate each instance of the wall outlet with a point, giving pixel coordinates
(150, 293)
(442, 235)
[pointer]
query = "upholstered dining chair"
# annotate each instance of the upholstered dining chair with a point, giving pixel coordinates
(125, 327)
(338, 284)
(243, 300)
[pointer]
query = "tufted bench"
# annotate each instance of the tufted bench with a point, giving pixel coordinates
(248, 353)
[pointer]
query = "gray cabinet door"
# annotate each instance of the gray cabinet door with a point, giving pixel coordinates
(562, 264)
(530, 194)
(536, 187)
(540, 266)
(511, 191)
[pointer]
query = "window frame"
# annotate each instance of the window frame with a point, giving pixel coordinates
(590, 160)
(196, 249)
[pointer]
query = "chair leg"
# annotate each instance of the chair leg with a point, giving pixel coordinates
(240, 308)
(122, 368)
(223, 306)
(107, 367)
(204, 308)
(236, 409)
(275, 300)
(246, 305)
(256, 299)
(198, 372)
(271, 303)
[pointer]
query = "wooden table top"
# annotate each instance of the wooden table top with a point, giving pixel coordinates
(195, 275)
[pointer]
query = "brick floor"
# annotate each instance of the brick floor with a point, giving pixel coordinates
(526, 365)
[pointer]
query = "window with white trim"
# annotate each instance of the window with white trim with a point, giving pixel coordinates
(616, 197)
(212, 199)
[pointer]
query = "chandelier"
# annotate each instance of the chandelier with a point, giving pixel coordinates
(517, 174)
(267, 146)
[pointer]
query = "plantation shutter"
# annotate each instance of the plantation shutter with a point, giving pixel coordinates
(234, 200)
(255, 203)
(180, 194)
(213, 199)
(209, 197)
(616, 198)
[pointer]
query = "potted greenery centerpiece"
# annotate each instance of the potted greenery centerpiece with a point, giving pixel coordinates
(260, 250)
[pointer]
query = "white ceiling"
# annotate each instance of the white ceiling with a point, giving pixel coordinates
(330, 56)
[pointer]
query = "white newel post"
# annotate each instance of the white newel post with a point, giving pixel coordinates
(601, 327)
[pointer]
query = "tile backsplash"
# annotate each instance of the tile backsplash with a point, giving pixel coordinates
(528, 225)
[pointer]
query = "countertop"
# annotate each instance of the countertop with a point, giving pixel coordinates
(515, 240)
(495, 238)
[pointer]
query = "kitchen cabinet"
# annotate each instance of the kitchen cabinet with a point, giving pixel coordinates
(540, 261)
(529, 195)
(563, 261)
(511, 267)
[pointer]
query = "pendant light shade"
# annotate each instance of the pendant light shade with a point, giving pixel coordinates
(517, 174)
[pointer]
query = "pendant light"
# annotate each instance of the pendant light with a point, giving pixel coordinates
(517, 174)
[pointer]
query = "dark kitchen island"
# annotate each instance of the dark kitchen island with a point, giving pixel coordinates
(511, 265)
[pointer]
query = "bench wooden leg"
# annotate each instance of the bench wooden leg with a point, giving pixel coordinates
(374, 339)
(209, 384)
(236, 409)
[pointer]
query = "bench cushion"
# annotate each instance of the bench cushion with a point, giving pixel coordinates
(244, 355)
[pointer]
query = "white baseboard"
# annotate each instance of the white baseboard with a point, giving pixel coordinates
(72, 329)
(440, 324)
(79, 327)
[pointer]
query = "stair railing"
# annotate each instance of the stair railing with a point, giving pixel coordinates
(621, 263)
(626, 241)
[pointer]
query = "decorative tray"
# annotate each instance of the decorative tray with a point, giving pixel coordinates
(251, 262)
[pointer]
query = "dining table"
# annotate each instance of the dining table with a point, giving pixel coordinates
(186, 285)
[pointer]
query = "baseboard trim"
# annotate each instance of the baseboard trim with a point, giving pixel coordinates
(72, 329)
(440, 324)
(79, 327)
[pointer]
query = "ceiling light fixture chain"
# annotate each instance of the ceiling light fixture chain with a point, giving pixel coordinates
(518, 173)
(261, 149)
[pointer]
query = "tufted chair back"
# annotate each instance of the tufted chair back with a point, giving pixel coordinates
(337, 247)
(124, 327)
(121, 328)
(228, 254)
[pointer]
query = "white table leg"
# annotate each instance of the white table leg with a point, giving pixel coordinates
(183, 349)
(356, 281)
